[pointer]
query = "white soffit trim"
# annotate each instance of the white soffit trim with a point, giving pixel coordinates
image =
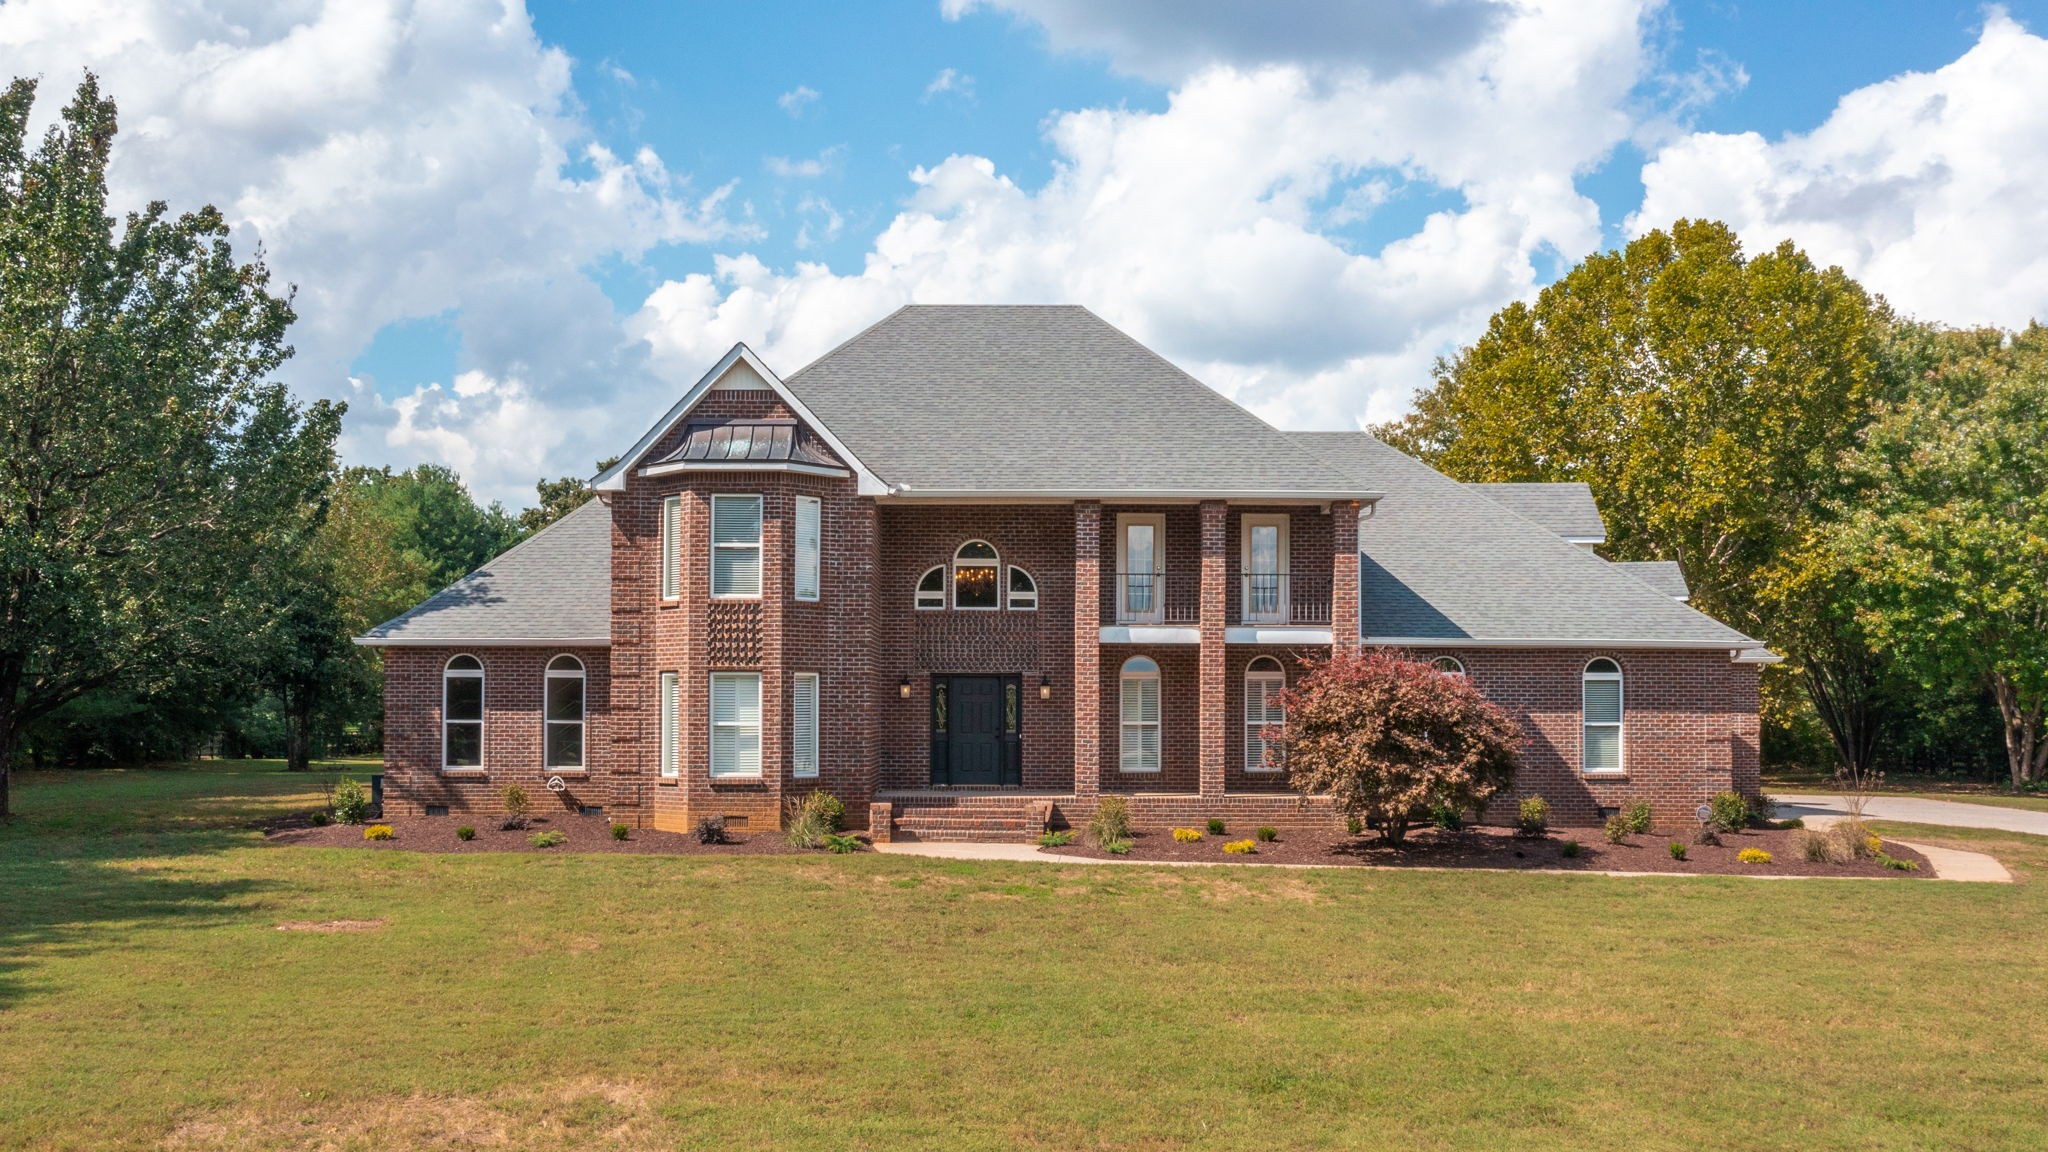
(613, 479)
(438, 642)
(1276, 635)
(1519, 642)
(1150, 634)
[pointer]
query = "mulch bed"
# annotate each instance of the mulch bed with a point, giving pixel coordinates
(585, 833)
(1501, 848)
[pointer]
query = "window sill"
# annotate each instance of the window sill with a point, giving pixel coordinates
(569, 773)
(470, 773)
(756, 778)
(667, 782)
(1622, 775)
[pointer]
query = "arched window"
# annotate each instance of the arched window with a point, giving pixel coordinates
(931, 588)
(974, 576)
(462, 713)
(565, 712)
(1448, 665)
(1023, 591)
(1264, 680)
(1139, 691)
(1600, 716)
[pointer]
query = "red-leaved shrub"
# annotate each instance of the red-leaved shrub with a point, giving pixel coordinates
(1386, 738)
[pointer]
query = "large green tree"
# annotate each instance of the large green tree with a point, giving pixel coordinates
(558, 498)
(1706, 397)
(1947, 527)
(147, 463)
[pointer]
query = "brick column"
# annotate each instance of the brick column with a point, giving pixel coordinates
(1087, 686)
(1344, 591)
(1210, 713)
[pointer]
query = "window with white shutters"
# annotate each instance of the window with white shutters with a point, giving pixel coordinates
(1140, 715)
(1263, 682)
(735, 724)
(671, 724)
(672, 548)
(809, 514)
(803, 723)
(735, 547)
(1600, 705)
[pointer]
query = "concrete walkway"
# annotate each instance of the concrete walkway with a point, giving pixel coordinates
(1911, 810)
(1946, 863)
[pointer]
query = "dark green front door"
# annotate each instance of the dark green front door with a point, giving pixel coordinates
(976, 730)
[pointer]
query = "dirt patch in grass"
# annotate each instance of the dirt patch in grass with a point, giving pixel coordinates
(585, 834)
(585, 1113)
(1501, 848)
(330, 925)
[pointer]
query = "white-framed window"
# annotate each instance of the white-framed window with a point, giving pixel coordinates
(931, 589)
(1023, 591)
(1449, 666)
(1138, 688)
(1141, 566)
(462, 713)
(672, 548)
(1264, 567)
(1264, 680)
(803, 726)
(564, 702)
(735, 724)
(1600, 716)
(671, 724)
(975, 568)
(735, 547)
(810, 512)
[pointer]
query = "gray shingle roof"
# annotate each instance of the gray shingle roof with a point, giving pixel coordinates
(1663, 575)
(1565, 508)
(1443, 563)
(1046, 399)
(555, 587)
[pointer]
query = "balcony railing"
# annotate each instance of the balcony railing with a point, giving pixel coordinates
(1260, 598)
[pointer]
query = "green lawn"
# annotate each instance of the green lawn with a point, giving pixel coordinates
(147, 998)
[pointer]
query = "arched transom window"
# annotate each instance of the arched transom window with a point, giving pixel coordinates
(1264, 680)
(975, 572)
(1448, 665)
(565, 712)
(1600, 707)
(1139, 705)
(462, 713)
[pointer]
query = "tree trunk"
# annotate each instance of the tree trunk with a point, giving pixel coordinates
(10, 740)
(298, 747)
(1841, 692)
(2022, 731)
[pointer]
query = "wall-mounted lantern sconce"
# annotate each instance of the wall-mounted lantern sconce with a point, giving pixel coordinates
(1044, 686)
(903, 688)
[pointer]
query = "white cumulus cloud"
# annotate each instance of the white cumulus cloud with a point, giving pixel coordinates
(1927, 186)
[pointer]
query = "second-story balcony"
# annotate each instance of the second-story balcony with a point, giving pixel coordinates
(1252, 598)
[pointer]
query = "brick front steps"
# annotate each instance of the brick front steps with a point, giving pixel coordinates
(996, 817)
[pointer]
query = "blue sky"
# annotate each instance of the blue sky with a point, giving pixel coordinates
(518, 229)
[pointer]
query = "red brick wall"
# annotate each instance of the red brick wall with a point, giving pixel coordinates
(513, 723)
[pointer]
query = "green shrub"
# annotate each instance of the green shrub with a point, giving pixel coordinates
(1354, 825)
(465, 833)
(319, 819)
(351, 801)
(842, 842)
(1794, 822)
(1896, 864)
(816, 817)
(1267, 835)
(1569, 849)
(1111, 822)
(620, 832)
(1241, 847)
(1637, 816)
(1059, 839)
(379, 832)
(1533, 816)
(1616, 829)
(1677, 850)
(1446, 817)
(1215, 826)
(517, 807)
(1117, 847)
(550, 838)
(711, 830)
(1730, 812)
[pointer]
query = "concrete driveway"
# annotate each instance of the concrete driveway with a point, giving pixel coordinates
(1915, 811)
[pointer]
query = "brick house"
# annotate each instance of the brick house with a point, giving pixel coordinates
(978, 566)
